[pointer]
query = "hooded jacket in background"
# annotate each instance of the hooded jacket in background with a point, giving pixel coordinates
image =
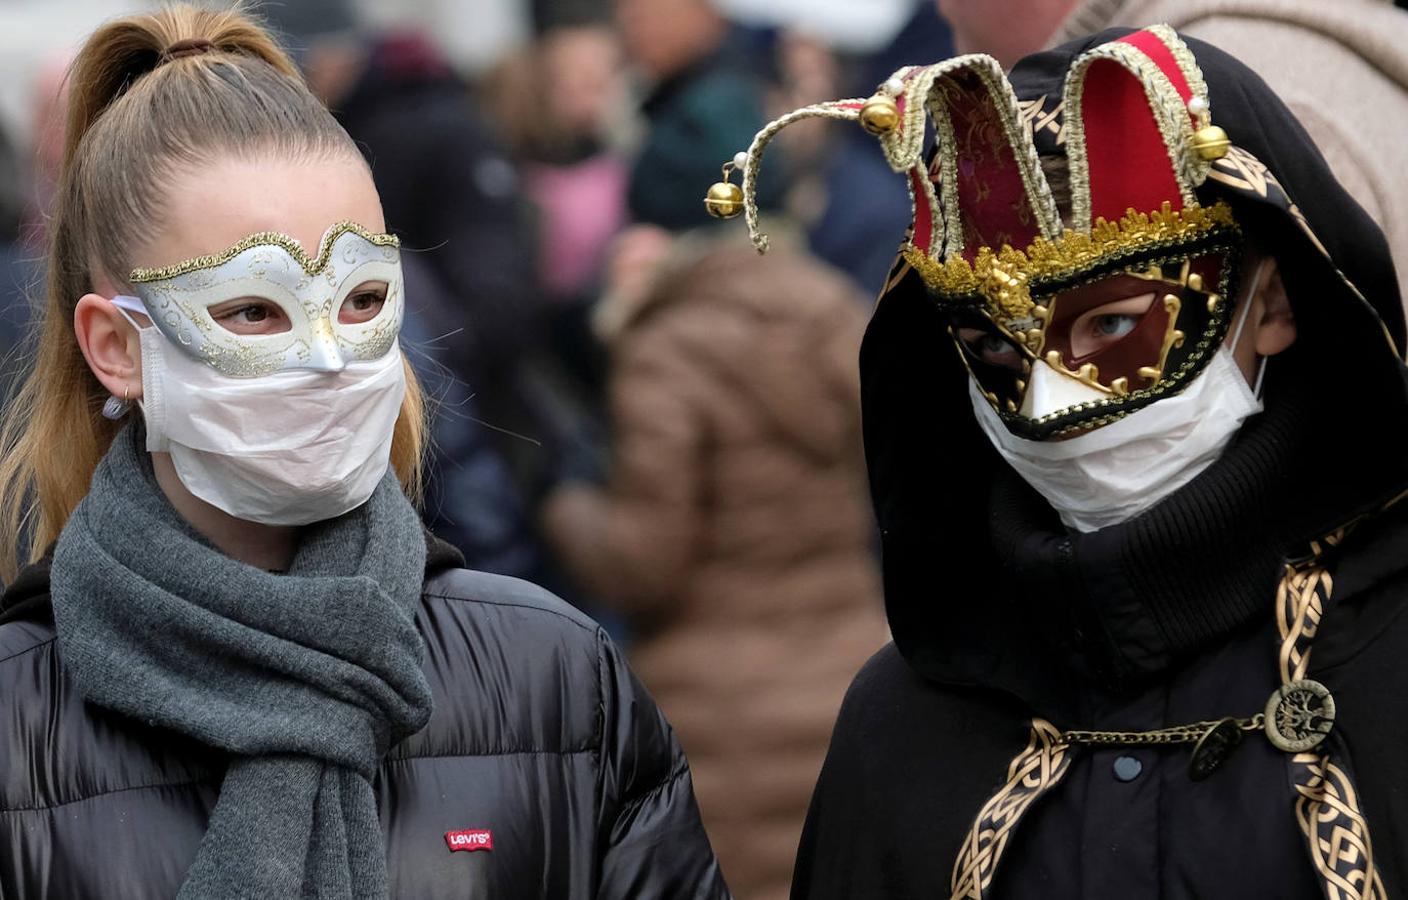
(1341, 68)
(1001, 617)
(735, 533)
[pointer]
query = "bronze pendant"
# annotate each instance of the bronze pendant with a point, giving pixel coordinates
(1299, 715)
(1214, 748)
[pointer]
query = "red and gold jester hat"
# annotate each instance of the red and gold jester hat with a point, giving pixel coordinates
(1026, 293)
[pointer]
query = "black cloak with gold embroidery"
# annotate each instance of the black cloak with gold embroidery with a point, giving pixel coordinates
(942, 774)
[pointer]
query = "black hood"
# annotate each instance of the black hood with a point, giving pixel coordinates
(1332, 444)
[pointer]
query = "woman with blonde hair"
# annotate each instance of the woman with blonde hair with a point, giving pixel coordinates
(236, 664)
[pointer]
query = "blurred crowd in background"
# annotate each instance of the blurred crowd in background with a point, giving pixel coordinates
(632, 408)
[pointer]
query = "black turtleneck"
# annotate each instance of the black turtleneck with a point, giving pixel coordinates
(1164, 620)
(1124, 603)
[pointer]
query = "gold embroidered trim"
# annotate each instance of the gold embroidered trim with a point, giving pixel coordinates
(1301, 597)
(1327, 805)
(904, 147)
(1165, 104)
(1038, 118)
(1187, 63)
(312, 266)
(1241, 170)
(1298, 610)
(1033, 772)
(840, 110)
(1014, 128)
(1327, 809)
(950, 240)
(1019, 137)
(1067, 256)
(1005, 281)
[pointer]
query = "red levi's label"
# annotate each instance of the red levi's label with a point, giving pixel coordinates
(470, 839)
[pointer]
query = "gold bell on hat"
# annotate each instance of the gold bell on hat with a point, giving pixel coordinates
(724, 200)
(880, 115)
(1211, 142)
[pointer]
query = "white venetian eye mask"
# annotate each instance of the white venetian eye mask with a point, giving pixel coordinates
(272, 268)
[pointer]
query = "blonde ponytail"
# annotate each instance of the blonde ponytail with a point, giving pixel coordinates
(120, 53)
(147, 94)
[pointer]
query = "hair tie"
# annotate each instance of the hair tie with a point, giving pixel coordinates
(186, 47)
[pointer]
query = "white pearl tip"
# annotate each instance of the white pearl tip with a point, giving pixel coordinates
(1197, 105)
(740, 159)
(894, 87)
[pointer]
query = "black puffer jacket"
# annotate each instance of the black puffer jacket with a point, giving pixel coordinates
(541, 737)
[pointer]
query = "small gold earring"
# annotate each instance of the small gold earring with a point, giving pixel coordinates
(115, 408)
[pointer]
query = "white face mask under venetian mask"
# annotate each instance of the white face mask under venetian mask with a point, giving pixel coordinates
(286, 428)
(1111, 474)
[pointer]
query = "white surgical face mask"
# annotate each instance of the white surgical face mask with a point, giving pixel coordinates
(1111, 474)
(291, 448)
(287, 428)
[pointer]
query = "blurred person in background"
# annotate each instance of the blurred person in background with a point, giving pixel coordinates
(1341, 67)
(574, 172)
(19, 263)
(449, 187)
(13, 192)
(48, 114)
(28, 179)
(452, 195)
(805, 70)
(702, 106)
(863, 198)
(734, 532)
(471, 498)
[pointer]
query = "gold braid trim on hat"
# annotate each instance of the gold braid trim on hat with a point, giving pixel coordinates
(915, 96)
(1004, 276)
(1165, 104)
(841, 110)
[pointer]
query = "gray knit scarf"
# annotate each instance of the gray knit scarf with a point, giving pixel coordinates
(306, 679)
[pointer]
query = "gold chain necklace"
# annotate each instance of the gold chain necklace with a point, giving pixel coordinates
(1216, 739)
(1297, 718)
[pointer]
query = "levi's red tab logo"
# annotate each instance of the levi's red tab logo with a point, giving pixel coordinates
(470, 839)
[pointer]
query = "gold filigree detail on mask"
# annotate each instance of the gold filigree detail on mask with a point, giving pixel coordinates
(374, 339)
(180, 305)
(1009, 292)
(312, 265)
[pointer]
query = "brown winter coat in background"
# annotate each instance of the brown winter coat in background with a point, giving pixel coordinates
(736, 534)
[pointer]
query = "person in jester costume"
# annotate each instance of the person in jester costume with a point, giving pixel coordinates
(1135, 421)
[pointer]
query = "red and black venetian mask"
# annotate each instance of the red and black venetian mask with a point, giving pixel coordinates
(1070, 323)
